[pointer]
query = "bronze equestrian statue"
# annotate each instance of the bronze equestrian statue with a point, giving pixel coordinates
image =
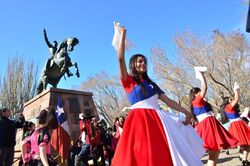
(58, 64)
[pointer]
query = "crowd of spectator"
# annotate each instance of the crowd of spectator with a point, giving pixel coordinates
(96, 144)
(97, 141)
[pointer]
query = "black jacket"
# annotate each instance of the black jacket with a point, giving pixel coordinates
(8, 131)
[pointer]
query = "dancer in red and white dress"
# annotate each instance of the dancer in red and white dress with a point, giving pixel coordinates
(238, 128)
(152, 137)
(214, 135)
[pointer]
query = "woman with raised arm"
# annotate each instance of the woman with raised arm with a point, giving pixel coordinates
(214, 135)
(238, 128)
(152, 137)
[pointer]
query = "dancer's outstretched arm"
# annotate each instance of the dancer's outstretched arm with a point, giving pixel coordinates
(203, 85)
(174, 105)
(121, 52)
(236, 94)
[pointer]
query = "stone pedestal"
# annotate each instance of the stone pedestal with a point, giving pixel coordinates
(74, 103)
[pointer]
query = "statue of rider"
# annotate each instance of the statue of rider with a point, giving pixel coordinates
(53, 50)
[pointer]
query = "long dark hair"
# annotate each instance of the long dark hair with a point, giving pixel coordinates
(192, 93)
(48, 118)
(116, 119)
(52, 122)
(27, 129)
(225, 102)
(135, 75)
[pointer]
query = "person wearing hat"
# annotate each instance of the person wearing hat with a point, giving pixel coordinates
(8, 138)
(85, 136)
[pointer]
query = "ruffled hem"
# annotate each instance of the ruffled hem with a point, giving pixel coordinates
(143, 141)
(214, 135)
(155, 138)
(240, 131)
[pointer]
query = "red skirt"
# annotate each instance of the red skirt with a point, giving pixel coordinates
(143, 141)
(214, 135)
(240, 131)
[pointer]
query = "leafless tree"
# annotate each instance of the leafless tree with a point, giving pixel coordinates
(108, 95)
(175, 79)
(225, 55)
(18, 84)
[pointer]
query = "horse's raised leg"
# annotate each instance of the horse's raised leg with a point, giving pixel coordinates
(77, 70)
(68, 72)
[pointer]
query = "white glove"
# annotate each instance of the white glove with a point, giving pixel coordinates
(198, 71)
(236, 86)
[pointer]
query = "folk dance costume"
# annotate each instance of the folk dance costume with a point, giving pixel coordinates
(214, 135)
(238, 128)
(40, 137)
(153, 137)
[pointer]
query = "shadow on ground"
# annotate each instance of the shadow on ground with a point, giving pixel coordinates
(222, 160)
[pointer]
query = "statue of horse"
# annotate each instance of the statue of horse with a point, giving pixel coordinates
(58, 65)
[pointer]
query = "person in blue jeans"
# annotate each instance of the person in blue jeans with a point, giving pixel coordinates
(83, 157)
(74, 150)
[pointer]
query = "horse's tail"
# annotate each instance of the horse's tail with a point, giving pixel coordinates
(39, 88)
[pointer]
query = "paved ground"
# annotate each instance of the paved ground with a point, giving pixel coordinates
(227, 160)
(224, 160)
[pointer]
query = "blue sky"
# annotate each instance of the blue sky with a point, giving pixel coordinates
(149, 22)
